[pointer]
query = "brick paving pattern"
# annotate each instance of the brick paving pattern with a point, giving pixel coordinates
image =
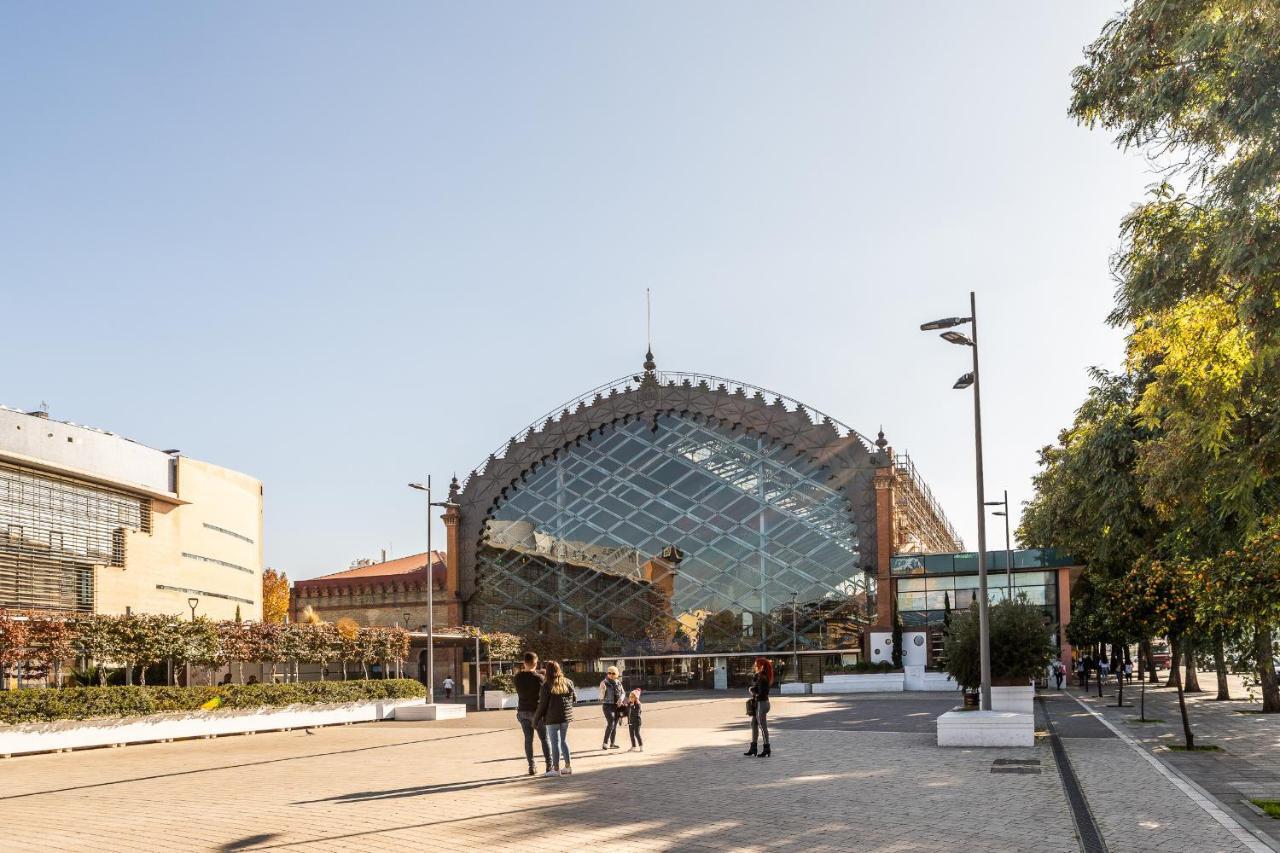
(849, 774)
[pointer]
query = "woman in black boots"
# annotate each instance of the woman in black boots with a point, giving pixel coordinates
(760, 696)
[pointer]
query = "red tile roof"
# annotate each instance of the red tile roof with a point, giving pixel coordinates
(390, 570)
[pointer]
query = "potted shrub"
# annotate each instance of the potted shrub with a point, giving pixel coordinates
(1020, 650)
(500, 691)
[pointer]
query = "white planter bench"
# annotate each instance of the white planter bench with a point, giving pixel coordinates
(80, 734)
(986, 728)
(421, 711)
(916, 678)
(879, 682)
(793, 688)
(497, 700)
(1016, 699)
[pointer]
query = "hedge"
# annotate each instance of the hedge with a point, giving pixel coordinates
(84, 703)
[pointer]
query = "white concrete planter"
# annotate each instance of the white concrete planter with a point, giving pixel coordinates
(793, 688)
(986, 728)
(1016, 699)
(916, 678)
(78, 734)
(879, 682)
(496, 700)
(418, 710)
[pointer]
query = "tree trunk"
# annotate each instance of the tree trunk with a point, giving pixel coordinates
(1220, 667)
(1145, 655)
(1175, 660)
(1192, 682)
(344, 669)
(1182, 708)
(1266, 671)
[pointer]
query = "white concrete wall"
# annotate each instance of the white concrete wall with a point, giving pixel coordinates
(81, 450)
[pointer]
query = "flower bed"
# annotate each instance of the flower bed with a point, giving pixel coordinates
(87, 703)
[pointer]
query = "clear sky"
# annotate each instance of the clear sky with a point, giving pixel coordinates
(338, 246)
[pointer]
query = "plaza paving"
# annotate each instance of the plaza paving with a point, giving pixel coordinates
(849, 773)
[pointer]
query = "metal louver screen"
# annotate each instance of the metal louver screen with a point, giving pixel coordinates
(55, 530)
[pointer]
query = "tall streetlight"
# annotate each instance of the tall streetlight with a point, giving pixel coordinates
(795, 646)
(1008, 550)
(984, 624)
(431, 585)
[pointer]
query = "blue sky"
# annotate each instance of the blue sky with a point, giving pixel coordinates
(340, 246)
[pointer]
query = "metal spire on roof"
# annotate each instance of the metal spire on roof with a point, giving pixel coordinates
(649, 364)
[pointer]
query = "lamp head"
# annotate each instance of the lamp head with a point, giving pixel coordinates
(963, 382)
(944, 323)
(418, 486)
(957, 338)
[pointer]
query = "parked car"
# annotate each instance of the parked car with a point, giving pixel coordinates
(1160, 654)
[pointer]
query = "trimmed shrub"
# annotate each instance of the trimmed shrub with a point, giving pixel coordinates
(86, 703)
(1021, 644)
(503, 681)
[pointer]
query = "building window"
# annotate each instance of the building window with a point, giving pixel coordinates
(230, 533)
(223, 563)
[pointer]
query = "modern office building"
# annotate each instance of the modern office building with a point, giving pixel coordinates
(690, 522)
(926, 586)
(94, 522)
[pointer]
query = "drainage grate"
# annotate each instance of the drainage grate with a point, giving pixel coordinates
(1022, 771)
(1089, 835)
(1032, 762)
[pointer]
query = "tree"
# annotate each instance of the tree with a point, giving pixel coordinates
(275, 596)
(1245, 585)
(897, 641)
(500, 645)
(1197, 83)
(13, 645)
(235, 645)
(1160, 596)
(1021, 645)
(96, 640)
(51, 642)
(348, 639)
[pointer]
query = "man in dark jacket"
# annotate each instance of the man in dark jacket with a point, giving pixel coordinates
(528, 687)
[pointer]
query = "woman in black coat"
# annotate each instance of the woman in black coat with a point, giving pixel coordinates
(555, 711)
(760, 686)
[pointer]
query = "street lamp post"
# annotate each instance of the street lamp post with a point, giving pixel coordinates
(1008, 550)
(191, 602)
(431, 585)
(984, 624)
(795, 648)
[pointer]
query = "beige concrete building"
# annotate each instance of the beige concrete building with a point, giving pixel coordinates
(94, 522)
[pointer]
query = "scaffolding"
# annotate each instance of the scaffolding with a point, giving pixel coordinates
(922, 527)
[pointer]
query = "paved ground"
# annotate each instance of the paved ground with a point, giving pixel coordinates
(1249, 764)
(849, 773)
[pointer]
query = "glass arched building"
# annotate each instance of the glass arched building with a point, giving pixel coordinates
(681, 515)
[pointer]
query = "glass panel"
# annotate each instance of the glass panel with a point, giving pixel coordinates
(911, 585)
(939, 563)
(937, 600)
(941, 583)
(911, 600)
(577, 549)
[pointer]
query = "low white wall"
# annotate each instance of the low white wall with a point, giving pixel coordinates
(421, 711)
(879, 682)
(78, 734)
(986, 728)
(793, 688)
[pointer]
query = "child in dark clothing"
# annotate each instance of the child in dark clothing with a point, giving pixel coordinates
(633, 719)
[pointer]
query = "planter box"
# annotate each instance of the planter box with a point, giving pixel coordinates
(986, 728)
(79, 734)
(880, 682)
(793, 688)
(496, 700)
(916, 678)
(419, 710)
(1016, 699)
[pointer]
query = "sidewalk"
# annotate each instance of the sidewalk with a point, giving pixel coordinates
(1249, 763)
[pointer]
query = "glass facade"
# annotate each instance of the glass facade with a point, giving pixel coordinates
(924, 600)
(671, 536)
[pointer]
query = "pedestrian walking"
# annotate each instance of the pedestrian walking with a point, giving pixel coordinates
(1081, 677)
(613, 699)
(448, 687)
(758, 706)
(1128, 672)
(528, 683)
(633, 719)
(555, 711)
(1058, 672)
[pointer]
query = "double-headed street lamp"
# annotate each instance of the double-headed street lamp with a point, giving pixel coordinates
(431, 585)
(1008, 550)
(984, 624)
